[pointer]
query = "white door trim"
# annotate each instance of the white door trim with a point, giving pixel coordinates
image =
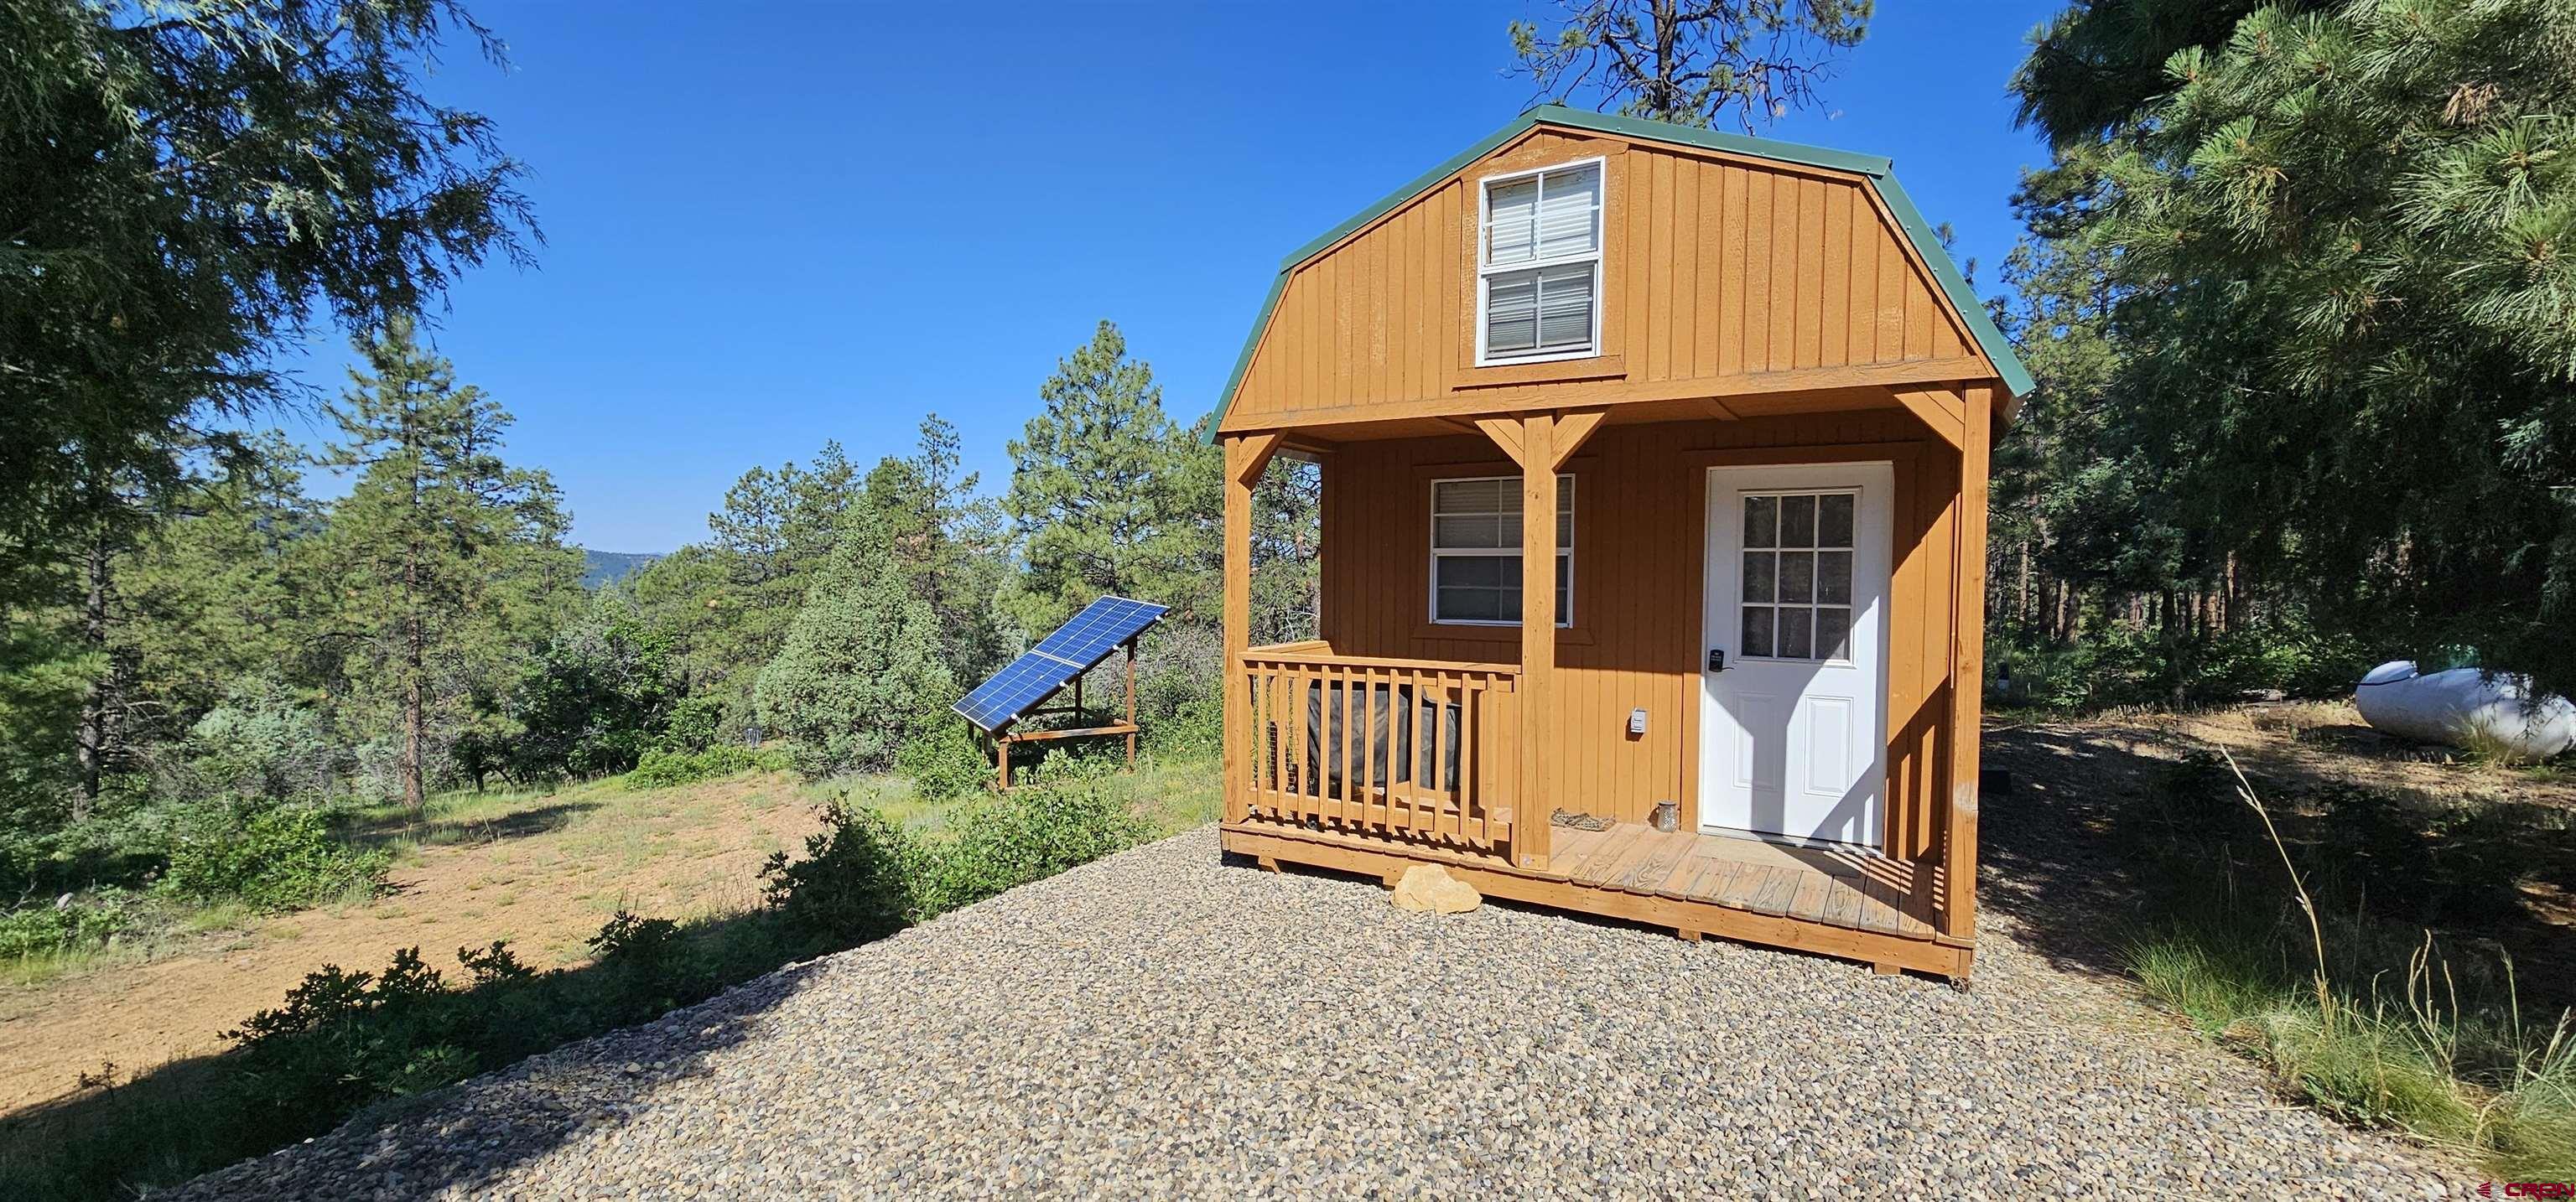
(1794, 748)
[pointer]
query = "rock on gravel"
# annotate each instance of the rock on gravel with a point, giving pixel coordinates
(1162, 1023)
(1428, 888)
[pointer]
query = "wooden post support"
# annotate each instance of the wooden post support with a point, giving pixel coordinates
(1131, 704)
(1531, 831)
(1245, 456)
(1967, 670)
(1002, 758)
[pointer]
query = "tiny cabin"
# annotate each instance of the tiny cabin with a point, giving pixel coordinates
(1732, 686)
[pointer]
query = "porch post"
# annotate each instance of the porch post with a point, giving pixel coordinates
(1531, 831)
(1245, 456)
(1967, 668)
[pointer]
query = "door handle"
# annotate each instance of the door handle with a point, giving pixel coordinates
(1716, 660)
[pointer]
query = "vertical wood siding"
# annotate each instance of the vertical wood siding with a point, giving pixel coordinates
(1715, 267)
(1636, 638)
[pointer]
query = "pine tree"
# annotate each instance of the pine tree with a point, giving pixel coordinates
(947, 542)
(1110, 496)
(774, 534)
(860, 669)
(223, 590)
(448, 560)
(2330, 342)
(1287, 544)
(1689, 63)
(190, 184)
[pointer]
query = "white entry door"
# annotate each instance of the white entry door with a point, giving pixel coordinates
(1793, 740)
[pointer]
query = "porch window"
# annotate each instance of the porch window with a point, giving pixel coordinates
(1539, 265)
(1476, 551)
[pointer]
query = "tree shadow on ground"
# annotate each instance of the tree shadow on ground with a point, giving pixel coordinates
(517, 824)
(117, 1137)
(2104, 829)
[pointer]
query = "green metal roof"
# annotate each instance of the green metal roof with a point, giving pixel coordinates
(1877, 169)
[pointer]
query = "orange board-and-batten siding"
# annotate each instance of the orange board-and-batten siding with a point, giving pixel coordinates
(1760, 304)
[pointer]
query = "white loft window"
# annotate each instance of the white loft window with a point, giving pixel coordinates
(1538, 265)
(1476, 551)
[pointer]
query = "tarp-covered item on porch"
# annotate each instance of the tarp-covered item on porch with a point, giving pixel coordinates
(2464, 703)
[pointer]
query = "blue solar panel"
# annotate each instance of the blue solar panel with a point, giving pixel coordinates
(1075, 648)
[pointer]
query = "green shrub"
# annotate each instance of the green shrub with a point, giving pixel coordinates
(864, 877)
(344, 1039)
(696, 723)
(278, 858)
(1194, 730)
(71, 923)
(1005, 841)
(663, 769)
(945, 762)
(593, 698)
(2122, 663)
(856, 882)
(264, 741)
(126, 843)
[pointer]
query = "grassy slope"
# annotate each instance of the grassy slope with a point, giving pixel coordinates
(585, 852)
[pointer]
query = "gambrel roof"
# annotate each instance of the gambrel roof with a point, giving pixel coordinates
(1872, 171)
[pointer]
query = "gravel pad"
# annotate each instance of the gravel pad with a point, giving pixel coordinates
(1161, 1023)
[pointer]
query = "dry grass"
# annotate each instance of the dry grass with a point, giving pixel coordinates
(2469, 1069)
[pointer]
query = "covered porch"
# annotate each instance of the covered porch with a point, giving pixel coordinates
(1395, 739)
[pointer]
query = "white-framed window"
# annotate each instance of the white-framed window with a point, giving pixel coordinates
(1476, 551)
(1797, 578)
(1538, 265)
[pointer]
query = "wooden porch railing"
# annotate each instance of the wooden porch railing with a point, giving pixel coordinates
(1417, 748)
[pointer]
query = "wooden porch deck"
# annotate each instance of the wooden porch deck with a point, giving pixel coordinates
(1853, 905)
(1845, 889)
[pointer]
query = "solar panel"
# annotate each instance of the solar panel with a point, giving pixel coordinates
(1075, 648)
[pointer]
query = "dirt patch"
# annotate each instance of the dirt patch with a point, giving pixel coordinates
(2052, 839)
(2318, 742)
(544, 877)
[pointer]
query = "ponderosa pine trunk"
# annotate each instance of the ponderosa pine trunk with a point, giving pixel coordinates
(415, 649)
(90, 750)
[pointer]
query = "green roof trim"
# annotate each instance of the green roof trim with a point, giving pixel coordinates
(1981, 324)
(1877, 168)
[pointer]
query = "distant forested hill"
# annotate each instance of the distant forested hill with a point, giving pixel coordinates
(601, 567)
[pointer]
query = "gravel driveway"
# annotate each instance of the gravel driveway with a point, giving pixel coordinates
(1160, 1024)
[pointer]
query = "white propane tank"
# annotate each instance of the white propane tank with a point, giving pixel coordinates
(2450, 706)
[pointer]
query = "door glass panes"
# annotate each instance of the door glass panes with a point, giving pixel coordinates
(1797, 581)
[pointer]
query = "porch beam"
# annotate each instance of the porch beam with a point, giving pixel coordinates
(1506, 432)
(1245, 456)
(1531, 832)
(1573, 428)
(1967, 670)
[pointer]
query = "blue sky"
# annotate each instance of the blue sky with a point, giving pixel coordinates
(771, 225)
